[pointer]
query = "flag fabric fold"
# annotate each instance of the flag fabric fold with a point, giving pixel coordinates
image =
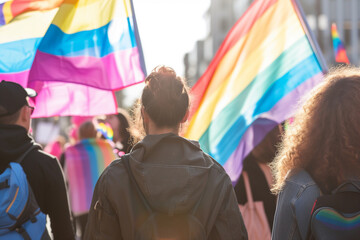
(10, 9)
(75, 56)
(265, 65)
(339, 49)
(90, 50)
(18, 43)
(91, 43)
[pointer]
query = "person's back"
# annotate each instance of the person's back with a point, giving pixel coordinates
(173, 175)
(83, 164)
(42, 170)
(319, 152)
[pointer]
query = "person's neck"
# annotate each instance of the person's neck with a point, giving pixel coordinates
(154, 130)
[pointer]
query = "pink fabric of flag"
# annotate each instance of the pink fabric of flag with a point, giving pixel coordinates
(90, 50)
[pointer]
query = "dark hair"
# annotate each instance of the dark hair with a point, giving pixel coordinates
(125, 129)
(165, 97)
(10, 119)
(87, 130)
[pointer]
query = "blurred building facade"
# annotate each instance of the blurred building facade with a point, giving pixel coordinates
(320, 14)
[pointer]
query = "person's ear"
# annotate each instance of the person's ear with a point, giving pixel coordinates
(185, 118)
(24, 114)
(144, 114)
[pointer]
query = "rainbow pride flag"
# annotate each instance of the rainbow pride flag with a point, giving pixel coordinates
(92, 46)
(18, 43)
(267, 62)
(10, 9)
(106, 130)
(84, 163)
(339, 49)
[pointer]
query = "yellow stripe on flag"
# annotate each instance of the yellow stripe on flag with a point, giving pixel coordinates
(21, 28)
(250, 56)
(7, 11)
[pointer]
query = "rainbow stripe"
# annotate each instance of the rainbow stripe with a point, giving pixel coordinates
(265, 64)
(334, 220)
(11, 9)
(106, 130)
(18, 43)
(84, 164)
(339, 49)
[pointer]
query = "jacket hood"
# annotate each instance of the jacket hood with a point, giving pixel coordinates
(14, 141)
(171, 172)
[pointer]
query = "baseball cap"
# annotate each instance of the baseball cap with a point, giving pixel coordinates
(13, 97)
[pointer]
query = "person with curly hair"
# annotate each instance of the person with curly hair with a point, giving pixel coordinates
(320, 150)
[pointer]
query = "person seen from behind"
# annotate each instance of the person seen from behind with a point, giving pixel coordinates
(83, 164)
(122, 130)
(166, 187)
(254, 185)
(319, 152)
(43, 171)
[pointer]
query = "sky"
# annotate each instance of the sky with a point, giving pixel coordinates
(168, 29)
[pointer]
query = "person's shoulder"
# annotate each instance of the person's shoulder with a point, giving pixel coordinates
(301, 178)
(38, 155)
(114, 172)
(301, 190)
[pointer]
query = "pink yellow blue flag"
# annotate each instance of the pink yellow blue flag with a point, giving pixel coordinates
(19, 40)
(267, 62)
(91, 49)
(339, 49)
(75, 60)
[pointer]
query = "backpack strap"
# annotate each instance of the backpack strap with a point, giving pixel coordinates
(19, 159)
(347, 186)
(125, 158)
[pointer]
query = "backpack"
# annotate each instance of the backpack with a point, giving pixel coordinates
(20, 215)
(162, 226)
(337, 215)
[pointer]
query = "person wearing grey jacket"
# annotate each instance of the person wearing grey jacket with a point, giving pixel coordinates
(172, 173)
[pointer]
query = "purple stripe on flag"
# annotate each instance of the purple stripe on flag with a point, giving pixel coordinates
(267, 121)
(2, 17)
(112, 72)
(59, 99)
(20, 77)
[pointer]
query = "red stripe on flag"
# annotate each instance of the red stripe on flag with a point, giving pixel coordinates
(240, 29)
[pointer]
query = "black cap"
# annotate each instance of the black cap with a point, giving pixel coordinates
(13, 97)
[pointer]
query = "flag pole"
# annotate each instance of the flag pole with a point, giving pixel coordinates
(315, 46)
(138, 40)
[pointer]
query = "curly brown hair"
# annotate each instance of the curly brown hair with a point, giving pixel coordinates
(325, 136)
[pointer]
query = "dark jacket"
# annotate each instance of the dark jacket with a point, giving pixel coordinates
(44, 175)
(172, 173)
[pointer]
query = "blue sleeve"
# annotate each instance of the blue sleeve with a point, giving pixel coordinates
(293, 210)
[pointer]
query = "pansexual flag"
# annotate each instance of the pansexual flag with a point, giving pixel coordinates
(84, 163)
(91, 49)
(265, 65)
(10, 9)
(18, 43)
(339, 49)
